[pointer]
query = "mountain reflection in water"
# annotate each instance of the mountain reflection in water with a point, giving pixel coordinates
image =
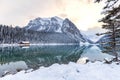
(18, 58)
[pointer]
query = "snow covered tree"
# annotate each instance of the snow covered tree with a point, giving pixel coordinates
(112, 25)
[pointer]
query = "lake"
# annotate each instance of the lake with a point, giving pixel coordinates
(16, 58)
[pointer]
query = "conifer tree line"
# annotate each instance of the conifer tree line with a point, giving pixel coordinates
(112, 25)
(9, 35)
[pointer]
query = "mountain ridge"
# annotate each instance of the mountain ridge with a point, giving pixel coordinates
(57, 25)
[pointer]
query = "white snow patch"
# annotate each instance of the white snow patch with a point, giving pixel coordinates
(53, 44)
(37, 44)
(82, 60)
(60, 20)
(84, 43)
(8, 45)
(72, 71)
(12, 67)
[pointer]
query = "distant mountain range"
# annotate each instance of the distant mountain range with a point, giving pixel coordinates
(91, 33)
(57, 30)
(103, 39)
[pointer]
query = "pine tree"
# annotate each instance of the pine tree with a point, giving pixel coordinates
(112, 25)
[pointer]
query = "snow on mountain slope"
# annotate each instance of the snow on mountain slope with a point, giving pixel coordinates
(56, 25)
(53, 24)
(103, 39)
(71, 30)
(91, 33)
(88, 38)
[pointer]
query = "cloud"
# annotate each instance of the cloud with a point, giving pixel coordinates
(84, 13)
(63, 15)
(18, 11)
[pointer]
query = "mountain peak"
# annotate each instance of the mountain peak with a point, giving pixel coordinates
(57, 18)
(56, 25)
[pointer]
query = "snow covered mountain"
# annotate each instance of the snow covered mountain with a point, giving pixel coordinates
(57, 25)
(103, 39)
(91, 33)
(53, 24)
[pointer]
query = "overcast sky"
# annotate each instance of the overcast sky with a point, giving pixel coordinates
(84, 13)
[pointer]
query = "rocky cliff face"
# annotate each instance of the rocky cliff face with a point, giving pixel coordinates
(57, 25)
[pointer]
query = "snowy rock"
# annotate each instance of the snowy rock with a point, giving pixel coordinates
(83, 60)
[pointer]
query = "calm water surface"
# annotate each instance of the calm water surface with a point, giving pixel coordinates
(14, 59)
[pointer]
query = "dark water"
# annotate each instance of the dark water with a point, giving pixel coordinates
(14, 59)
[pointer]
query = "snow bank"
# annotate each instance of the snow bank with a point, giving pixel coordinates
(8, 45)
(53, 44)
(12, 67)
(39, 44)
(72, 71)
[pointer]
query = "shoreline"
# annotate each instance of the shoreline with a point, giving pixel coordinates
(43, 44)
(71, 71)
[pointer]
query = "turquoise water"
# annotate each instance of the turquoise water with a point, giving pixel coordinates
(14, 59)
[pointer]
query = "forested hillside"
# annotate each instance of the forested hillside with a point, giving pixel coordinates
(8, 34)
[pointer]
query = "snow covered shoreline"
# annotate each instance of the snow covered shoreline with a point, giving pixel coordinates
(71, 71)
(44, 44)
(39, 44)
(8, 45)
